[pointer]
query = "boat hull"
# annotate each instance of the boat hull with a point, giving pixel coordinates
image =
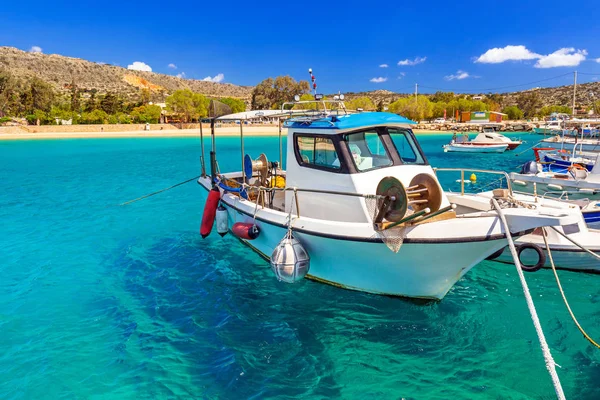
(577, 190)
(465, 148)
(592, 146)
(418, 270)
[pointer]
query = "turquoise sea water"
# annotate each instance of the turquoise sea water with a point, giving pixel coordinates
(99, 301)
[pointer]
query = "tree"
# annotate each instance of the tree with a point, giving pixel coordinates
(417, 110)
(380, 106)
(41, 95)
(75, 97)
(94, 117)
(529, 103)
(146, 114)
(444, 97)
(547, 110)
(111, 103)
(187, 104)
(360, 102)
(272, 93)
(91, 103)
(513, 112)
(8, 98)
(145, 96)
(597, 107)
(236, 105)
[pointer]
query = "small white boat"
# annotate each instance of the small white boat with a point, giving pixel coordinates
(357, 206)
(570, 184)
(571, 143)
(531, 247)
(490, 137)
(475, 148)
(550, 128)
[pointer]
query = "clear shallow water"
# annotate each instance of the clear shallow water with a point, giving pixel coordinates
(99, 301)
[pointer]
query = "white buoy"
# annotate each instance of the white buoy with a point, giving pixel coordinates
(222, 223)
(290, 261)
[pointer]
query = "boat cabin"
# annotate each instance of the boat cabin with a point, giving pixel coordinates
(334, 162)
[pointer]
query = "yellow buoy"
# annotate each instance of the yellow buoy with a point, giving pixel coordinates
(473, 178)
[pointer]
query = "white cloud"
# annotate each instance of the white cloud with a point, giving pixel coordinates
(181, 75)
(381, 79)
(402, 75)
(417, 60)
(509, 53)
(35, 49)
(459, 75)
(172, 66)
(597, 60)
(383, 66)
(565, 57)
(217, 78)
(139, 66)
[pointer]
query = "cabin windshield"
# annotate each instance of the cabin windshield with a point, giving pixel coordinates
(377, 148)
(405, 145)
(368, 150)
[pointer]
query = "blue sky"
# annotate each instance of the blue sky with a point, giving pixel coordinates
(439, 45)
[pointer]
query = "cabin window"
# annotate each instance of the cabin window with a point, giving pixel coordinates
(317, 151)
(406, 146)
(367, 150)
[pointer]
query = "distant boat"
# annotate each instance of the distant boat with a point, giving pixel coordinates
(572, 183)
(475, 148)
(549, 128)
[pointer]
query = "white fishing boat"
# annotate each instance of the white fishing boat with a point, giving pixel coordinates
(490, 137)
(571, 143)
(531, 247)
(358, 206)
(573, 183)
(550, 128)
(475, 148)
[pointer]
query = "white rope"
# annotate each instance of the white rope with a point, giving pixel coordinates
(550, 364)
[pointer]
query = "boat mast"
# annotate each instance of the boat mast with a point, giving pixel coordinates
(574, 90)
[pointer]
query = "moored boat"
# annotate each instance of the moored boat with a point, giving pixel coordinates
(475, 148)
(362, 204)
(531, 247)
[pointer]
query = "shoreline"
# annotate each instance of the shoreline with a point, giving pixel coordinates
(169, 133)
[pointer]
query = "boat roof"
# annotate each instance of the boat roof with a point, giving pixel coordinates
(348, 121)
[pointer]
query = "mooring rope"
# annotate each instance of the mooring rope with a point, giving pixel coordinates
(562, 293)
(159, 191)
(527, 149)
(550, 364)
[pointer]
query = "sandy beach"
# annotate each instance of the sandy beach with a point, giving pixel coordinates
(53, 132)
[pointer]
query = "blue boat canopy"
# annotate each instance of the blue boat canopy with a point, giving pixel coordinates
(348, 121)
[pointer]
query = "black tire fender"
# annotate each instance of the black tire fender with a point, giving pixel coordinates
(541, 257)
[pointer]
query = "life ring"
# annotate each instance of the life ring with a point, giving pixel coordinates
(495, 255)
(541, 257)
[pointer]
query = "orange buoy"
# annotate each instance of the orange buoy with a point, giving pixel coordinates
(210, 210)
(245, 230)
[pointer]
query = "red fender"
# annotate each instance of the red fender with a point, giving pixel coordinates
(210, 210)
(245, 230)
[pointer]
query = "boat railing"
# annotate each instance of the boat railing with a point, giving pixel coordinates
(482, 171)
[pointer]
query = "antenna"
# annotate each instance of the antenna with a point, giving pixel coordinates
(313, 80)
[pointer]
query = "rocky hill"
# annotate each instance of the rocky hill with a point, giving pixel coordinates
(61, 72)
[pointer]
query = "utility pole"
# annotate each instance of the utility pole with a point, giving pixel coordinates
(416, 92)
(574, 90)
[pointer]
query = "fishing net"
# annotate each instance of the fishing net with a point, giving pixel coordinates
(392, 237)
(217, 109)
